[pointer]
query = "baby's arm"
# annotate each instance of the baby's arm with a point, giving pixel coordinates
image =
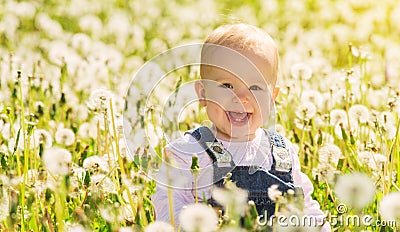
(311, 207)
(181, 182)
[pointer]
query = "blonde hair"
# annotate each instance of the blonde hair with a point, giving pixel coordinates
(244, 37)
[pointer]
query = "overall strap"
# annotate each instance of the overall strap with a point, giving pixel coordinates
(218, 154)
(282, 159)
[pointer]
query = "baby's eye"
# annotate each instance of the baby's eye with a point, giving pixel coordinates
(226, 85)
(255, 87)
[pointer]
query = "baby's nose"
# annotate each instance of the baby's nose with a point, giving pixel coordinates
(241, 96)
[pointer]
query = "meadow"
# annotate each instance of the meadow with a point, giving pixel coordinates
(79, 138)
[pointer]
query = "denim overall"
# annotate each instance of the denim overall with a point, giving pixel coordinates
(255, 180)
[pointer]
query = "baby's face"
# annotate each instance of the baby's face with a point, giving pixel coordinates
(240, 100)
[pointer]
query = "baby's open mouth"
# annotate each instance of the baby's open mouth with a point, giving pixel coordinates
(238, 118)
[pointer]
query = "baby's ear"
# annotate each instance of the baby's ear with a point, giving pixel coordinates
(200, 91)
(275, 92)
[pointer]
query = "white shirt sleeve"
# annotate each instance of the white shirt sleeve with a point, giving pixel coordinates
(180, 178)
(311, 207)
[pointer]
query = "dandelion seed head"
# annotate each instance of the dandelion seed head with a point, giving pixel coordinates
(101, 183)
(312, 96)
(42, 136)
(273, 193)
(355, 190)
(301, 71)
(198, 217)
(57, 160)
(96, 164)
(159, 226)
(51, 27)
(324, 172)
(65, 136)
(337, 116)
(90, 23)
(306, 111)
(234, 198)
(390, 206)
(99, 99)
(329, 154)
(359, 113)
(81, 42)
(87, 130)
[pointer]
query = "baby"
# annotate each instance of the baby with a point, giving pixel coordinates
(239, 65)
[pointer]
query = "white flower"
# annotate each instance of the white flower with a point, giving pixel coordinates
(199, 218)
(90, 23)
(57, 160)
(273, 193)
(4, 201)
(356, 190)
(359, 113)
(22, 9)
(312, 96)
(65, 136)
(337, 116)
(43, 136)
(329, 154)
(159, 226)
(324, 172)
(51, 27)
(81, 42)
(306, 111)
(102, 183)
(390, 206)
(95, 163)
(374, 161)
(235, 199)
(301, 71)
(87, 130)
(99, 99)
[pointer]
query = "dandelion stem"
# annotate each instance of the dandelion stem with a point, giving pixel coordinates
(121, 164)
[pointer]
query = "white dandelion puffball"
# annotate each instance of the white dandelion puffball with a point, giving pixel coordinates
(356, 190)
(359, 113)
(42, 136)
(57, 160)
(235, 199)
(102, 183)
(337, 116)
(329, 154)
(199, 218)
(390, 206)
(95, 163)
(301, 71)
(273, 193)
(159, 226)
(306, 111)
(99, 99)
(65, 136)
(312, 96)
